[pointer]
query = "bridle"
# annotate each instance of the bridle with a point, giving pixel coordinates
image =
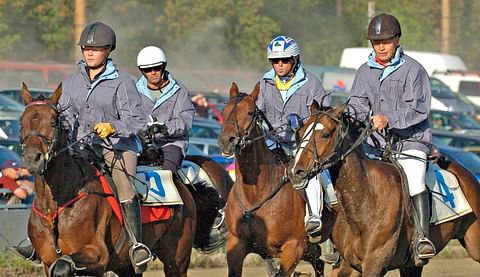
(49, 141)
(341, 131)
(258, 117)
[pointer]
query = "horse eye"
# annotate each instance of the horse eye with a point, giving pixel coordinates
(326, 135)
(251, 113)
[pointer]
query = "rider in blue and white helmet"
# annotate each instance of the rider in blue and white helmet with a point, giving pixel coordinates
(288, 89)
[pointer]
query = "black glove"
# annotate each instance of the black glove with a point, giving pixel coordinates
(157, 127)
(145, 137)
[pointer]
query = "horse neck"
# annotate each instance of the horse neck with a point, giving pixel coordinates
(255, 163)
(64, 177)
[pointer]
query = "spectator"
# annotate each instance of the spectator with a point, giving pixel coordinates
(17, 179)
(201, 105)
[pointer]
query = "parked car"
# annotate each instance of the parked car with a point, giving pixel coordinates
(454, 121)
(467, 159)
(6, 155)
(10, 108)
(450, 99)
(9, 128)
(453, 139)
(15, 93)
(204, 135)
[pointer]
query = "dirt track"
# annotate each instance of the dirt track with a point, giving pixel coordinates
(438, 267)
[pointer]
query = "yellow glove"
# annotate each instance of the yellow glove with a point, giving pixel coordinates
(104, 129)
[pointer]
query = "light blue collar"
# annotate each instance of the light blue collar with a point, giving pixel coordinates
(298, 80)
(394, 64)
(109, 73)
(167, 91)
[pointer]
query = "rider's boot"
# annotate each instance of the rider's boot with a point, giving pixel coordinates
(424, 247)
(313, 221)
(139, 253)
(26, 252)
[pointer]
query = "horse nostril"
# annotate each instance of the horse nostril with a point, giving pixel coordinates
(300, 173)
(232, 140)
(38, 157)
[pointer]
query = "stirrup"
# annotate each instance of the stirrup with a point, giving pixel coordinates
(426, 241)
(315, 235)
(331, 258)
(136, 247)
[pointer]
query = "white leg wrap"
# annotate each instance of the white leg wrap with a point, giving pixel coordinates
(415, 170)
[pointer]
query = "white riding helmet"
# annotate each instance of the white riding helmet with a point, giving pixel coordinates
(282, 47)
(151, 56)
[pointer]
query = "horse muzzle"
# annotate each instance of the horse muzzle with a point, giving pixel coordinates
(227, 144)
(297, 175)
(35, 161)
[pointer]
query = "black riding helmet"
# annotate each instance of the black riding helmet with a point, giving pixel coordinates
(383, 26)
(98, 34)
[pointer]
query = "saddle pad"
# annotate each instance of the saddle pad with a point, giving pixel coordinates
(156, 186)
(155, 213)
(448, 200)
(192, 174)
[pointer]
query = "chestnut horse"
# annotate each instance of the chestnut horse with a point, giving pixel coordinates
(264, 212)
(374, 230)
(72, 225)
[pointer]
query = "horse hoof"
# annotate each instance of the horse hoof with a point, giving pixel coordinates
(301, 274)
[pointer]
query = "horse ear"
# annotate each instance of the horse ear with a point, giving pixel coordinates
(339, 110)
(233, 90)
(56, 95)
(314, 108)
(256, 91)
(26, 96)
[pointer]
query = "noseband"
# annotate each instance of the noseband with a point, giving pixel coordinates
(335, 156)
(257, 118)
(49, 141)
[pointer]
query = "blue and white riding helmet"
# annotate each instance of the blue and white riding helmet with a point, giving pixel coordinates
(282, 47)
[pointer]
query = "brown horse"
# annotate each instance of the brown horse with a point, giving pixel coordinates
(374, 230)
(264, 212)
(72, 226)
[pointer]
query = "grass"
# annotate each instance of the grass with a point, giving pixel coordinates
(10, 265)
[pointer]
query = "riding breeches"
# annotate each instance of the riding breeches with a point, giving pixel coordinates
(414, 164)
(123, 165)
(314, 193)
(172, 158)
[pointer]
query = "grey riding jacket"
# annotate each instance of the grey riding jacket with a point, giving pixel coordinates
(111, 97)
(298, 99)
(173, 108)
(400, 91)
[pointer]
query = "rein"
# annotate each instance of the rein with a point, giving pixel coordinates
(258, 117)
(335, 157)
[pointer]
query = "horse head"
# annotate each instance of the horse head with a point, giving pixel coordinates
(39, 129)
(319, 140)
(241, 117)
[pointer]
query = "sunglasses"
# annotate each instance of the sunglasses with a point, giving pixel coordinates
(284, 60)
(150, 69)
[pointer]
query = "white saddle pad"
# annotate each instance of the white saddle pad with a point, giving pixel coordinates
(161, 190)
(448, 200)
(192, 174)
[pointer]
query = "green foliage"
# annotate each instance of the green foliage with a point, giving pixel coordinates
(225, 33)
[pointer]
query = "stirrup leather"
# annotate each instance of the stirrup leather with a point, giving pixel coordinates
(136, 247)
(427, 241)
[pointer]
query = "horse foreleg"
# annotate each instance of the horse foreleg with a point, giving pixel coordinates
(471, 240)
(236, 252)
(290, 255)
(346, 270)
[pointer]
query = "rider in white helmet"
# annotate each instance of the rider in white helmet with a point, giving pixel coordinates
(288, 89)
(168, 104)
